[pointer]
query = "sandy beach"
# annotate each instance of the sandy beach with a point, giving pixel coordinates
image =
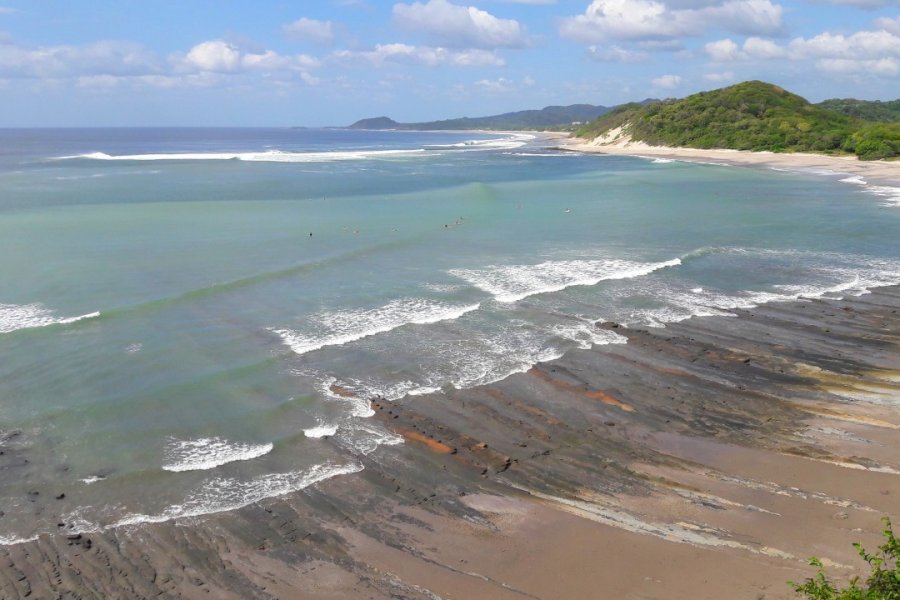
(707, 459)
(876, 172)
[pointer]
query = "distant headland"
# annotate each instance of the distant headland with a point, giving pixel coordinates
(753, 115)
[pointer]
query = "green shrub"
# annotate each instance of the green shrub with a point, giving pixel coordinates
(883, 582)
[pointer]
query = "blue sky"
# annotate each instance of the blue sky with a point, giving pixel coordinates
(205, 62)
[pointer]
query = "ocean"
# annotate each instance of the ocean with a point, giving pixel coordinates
(192, 320)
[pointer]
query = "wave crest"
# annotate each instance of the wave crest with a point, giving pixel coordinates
(342, 327)
(208, 453)
(27, 316)
(511, 283)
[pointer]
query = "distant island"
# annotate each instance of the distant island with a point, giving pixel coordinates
(756, 116)
(555, 118)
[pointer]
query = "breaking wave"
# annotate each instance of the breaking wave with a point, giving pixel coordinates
(511, 283)
(208, 453)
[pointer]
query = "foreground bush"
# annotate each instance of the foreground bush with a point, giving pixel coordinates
(882, 584)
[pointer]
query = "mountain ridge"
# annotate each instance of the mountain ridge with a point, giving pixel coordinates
(753, 115)
(549, 117)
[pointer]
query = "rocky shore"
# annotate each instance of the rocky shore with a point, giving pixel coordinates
(707, 459)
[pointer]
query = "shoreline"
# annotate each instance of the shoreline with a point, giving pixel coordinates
(706, 459)
(880, 172)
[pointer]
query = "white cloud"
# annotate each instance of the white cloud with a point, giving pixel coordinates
(723, 77)
(217, 56)
(421, 55)
(754, 48)
(724, 50)
(863, 52)
(500, 85)
(457, 26)
(860, 45)
(879, 66)
(109, 64)
(889, 24)
(98, 81)
(503, 85)
(7, 10)
(866, 4)
(97, 58)
(759, 48)
(653, 19)
(615, 54)
(666, 82)
(272, 61)
(304, 29)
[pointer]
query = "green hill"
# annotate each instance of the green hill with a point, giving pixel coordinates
(867, 110)
(547, 118)
(750, 116)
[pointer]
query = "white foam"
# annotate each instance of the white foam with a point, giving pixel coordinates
(467, 362)
(700, 302)
(511, 283)
(891, 194)
(266, 156)
(587, 335)
(209, 453)
(504, 360)
(224, 494)
(508, 143)
(544, 154)
(26, 316)
(424, 390)
(342, 327)
(359, 403)
(442, 288)
(92, 479)
(14, 541)
(320, 431)
(363, 438)
(78, 177)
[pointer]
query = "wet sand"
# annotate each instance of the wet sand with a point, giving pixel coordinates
(708, 459)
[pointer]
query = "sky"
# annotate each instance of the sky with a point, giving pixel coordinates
(330, 62)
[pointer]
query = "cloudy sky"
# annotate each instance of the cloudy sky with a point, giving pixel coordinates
(330, 62)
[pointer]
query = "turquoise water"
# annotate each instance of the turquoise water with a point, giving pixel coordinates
(175, 305)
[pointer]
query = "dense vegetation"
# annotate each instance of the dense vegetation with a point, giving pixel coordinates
(750, 116)
(883, 582)
(867, 110)
(557, 118)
